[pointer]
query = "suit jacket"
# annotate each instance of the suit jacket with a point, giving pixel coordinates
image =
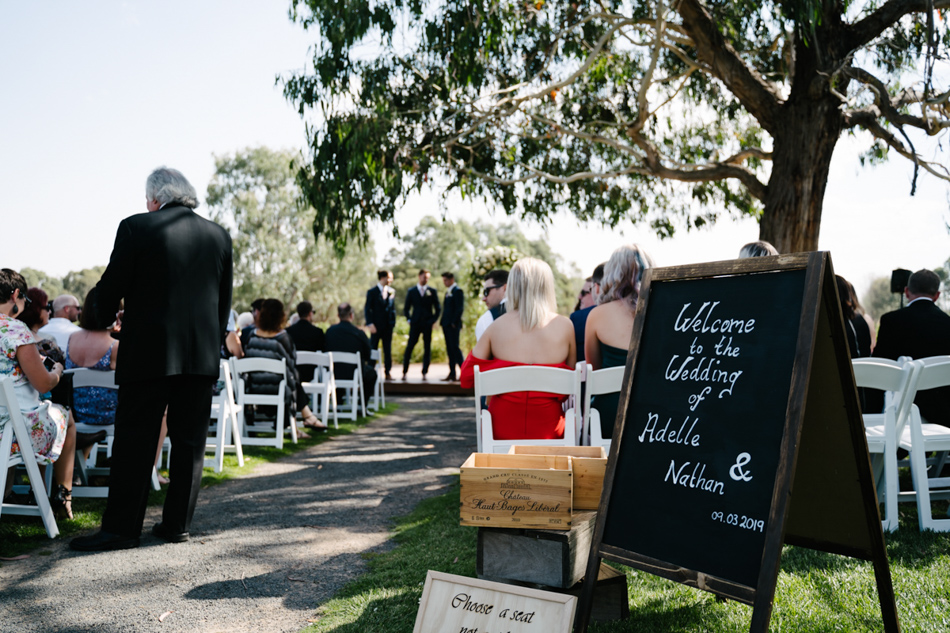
(346, 337)
(454, 306)
(307, 337)
(380, 311)
(172, 268)
(919, 330)
(422, 310)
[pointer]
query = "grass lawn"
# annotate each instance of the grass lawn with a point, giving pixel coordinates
(23, 534)
(816, 592)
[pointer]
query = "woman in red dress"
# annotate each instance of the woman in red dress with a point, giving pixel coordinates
(530, 333)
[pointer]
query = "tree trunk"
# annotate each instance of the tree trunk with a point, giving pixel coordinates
(804, 140)
(802, 154)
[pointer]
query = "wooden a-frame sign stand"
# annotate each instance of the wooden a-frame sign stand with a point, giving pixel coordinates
(823, 496)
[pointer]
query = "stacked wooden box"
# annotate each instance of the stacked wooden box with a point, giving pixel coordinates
(535, 510)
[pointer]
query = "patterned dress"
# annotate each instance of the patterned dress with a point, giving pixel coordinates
(45, 421)
(94, 405)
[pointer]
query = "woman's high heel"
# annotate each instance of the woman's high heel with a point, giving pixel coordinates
(61, 502)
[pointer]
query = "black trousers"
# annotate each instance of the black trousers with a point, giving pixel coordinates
(452, 335)
(138, 422)
(414, 332)
(386, 336)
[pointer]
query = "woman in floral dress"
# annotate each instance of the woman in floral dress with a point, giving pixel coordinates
(51, 428)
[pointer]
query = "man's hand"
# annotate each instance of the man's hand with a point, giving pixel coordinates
(372, 328)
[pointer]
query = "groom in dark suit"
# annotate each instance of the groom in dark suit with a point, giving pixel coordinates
(452, 322)
(919, 330)
(380, 316)
(173, 270)
(422, 311)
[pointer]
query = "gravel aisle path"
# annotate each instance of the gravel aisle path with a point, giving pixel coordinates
(267, 548)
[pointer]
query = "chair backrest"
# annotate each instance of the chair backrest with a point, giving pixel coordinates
(888, 375)
(934, 372)
(347, 358)
(83, 377)
(246, 365)
(526, 378)
(601, 381)
(317, 359)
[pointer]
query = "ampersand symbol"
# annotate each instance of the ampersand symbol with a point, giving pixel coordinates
(737, 472)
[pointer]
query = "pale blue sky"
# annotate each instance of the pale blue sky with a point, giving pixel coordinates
(95, 94)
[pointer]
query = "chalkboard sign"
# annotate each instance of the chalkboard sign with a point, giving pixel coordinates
(716, 419)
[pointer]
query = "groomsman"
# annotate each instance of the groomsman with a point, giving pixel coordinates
(452, 322)
(380, 316)
(422, 311)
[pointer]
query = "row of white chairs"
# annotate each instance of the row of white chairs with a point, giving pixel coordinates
(582, 424)
(900, 426)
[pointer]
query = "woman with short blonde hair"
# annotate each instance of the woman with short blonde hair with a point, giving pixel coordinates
(531, 332)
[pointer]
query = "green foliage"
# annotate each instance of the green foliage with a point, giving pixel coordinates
(38, 279)
(79, 283)
(254, 195)
(879, 299)
(609, 110)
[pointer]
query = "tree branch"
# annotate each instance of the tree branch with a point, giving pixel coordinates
(866, 29)
(868, 119)
(888, 109)
(760, 98)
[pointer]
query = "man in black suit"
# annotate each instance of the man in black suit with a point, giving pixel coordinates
(307, 337)
(919, 330)
(422, 311)
(452, 322)
(587, 303)
(346, 337)
(173, 270)
(380, 315)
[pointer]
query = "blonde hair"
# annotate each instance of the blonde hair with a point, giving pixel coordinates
(531, 291)
(623, 273)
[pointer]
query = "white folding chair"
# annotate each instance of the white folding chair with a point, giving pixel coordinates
(920, 438)
(322, 389)
(239, 370)
(83, 377)
(883, 430)
(225, 431)
(378, 399)
(599, 382)
(528, 378)
(16, 427)
(355, 392)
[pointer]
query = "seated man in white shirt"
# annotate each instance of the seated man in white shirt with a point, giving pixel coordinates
(496, 287)
(65, 313)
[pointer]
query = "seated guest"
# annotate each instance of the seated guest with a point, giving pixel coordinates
(855, 327)
(246, 330)
(93, 348)
(757, 249)
(495, 286)
(587, 303)
(346, 337)
(36, 316)
(529, 333)
(270, 340)
(232, 340)
(610, 324)
(919, 330)
(51, 428)
(307, 337)
(62, 322)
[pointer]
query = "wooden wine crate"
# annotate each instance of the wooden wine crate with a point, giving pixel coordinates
(589, 464)
(521, 491)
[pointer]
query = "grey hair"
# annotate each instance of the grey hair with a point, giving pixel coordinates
(757, 249)
(623, 274)
(166, 185)
(531, 291)
(62, 301)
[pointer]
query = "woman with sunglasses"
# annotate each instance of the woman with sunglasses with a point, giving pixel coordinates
(36, 315)
(610, 323)
(51, 428)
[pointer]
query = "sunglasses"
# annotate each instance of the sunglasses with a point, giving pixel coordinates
(487, 291)
(48, 307)
(26, 300)
(584, 293)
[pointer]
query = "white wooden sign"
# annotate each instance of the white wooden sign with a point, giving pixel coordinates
(456, 604)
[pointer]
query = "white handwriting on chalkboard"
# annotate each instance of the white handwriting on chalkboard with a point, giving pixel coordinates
(651, 434)
(703, 372)
(694, 479)
(700, 323)
(737, 471)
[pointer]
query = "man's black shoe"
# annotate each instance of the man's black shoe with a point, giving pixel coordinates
(167, 535)
(103, 541)
(84, 440)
